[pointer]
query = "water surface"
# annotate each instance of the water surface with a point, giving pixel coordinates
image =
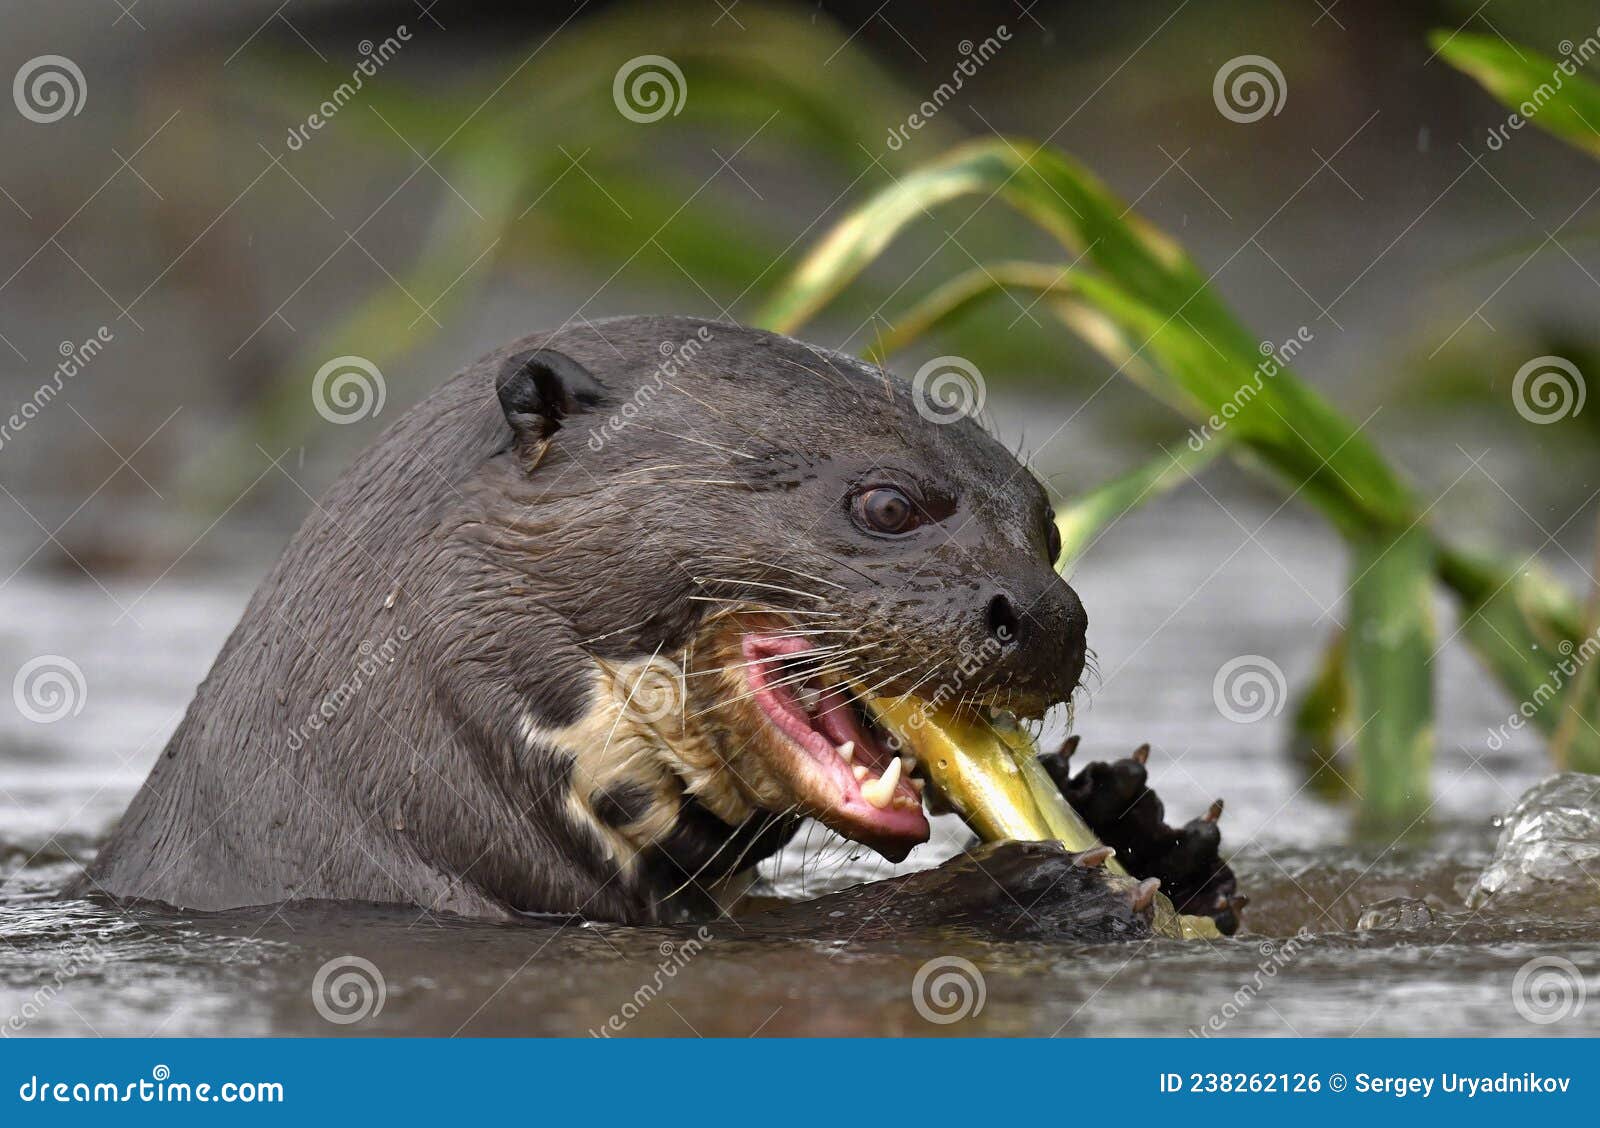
(1162, 622)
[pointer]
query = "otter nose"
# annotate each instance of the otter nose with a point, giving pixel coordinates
(1076, 633)
(1001, 618)
(1049, 631)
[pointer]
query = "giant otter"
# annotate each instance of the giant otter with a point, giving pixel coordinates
(578, 634)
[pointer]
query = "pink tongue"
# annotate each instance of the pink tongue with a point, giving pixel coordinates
(839, 723)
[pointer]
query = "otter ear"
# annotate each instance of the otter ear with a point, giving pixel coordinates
(540, 388)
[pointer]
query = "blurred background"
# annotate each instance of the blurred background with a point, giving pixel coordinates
(202, 216)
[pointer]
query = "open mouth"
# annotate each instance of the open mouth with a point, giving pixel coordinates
(847, 769)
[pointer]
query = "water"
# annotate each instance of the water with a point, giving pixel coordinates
(1163, 620)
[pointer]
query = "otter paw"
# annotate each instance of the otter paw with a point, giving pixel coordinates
(1116, 801)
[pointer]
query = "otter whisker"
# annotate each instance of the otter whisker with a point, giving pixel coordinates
(830, 378)
(784, 814)
(791, 679)
(816, 652)
(872, 689)
(698, 441)
(775, 564)
(809, 660)
(813, 655)
(656, 469)
(755, 435)
(703, 580)
(737, 606)
(742, 607)
(634, 688)
(797, 676)
(805, 853)
(933, 671)
(771, 820)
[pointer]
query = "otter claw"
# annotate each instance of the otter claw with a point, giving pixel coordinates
(1145, 895)
(1089, 859)
(1117, 803)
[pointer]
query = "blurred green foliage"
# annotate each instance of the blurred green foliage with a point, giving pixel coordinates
(556, 175)
(1133, 294)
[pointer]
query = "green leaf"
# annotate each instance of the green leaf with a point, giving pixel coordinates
(1203, 361)
(1089, 514)
(1390, 643)
(1134, 295)
(1549, 93)
(962, 293)
(1321, 726)
(1528, 630)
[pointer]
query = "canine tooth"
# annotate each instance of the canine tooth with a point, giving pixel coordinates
(846, 750)
(879, 791)
(861, 771)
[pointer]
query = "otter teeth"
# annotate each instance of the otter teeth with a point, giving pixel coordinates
(879, 791)
(860, 771)
(846, 750)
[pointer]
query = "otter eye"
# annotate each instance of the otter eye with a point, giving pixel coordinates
(1053, 546)
(885, 509)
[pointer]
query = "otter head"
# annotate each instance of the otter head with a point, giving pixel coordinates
(751, 537)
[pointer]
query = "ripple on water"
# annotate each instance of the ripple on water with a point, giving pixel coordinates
(76, 967)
